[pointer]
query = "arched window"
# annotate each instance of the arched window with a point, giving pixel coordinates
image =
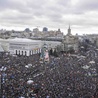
(25, 53)
(19, 52)
(16, 52)
(22, 52)
(30, 52)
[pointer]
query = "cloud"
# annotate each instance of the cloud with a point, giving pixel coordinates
(88, 5)
(51, 13)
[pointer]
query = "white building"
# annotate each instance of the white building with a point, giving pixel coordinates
(23, 46)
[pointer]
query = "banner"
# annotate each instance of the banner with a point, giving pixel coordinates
(46, 56)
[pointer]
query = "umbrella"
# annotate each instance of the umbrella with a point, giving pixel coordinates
(30, 81)
(21, 97)
(29, 65)
(91, 62)
(85, 67)
(26, 66)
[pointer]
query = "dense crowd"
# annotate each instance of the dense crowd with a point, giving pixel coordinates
(65, 76)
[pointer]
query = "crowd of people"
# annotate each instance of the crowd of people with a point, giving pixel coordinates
(65, 76)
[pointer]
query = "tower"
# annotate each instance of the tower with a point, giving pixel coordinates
(45, 29)
(69, 31)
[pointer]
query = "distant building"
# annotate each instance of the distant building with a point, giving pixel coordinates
(70, 42)
(35, 30)
(27, 30)
(45, 29)
(24, 46)
(59, 30)
(69, 31)
(59, 33)
(16, 34)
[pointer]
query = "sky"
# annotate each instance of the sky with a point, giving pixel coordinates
(82, 15)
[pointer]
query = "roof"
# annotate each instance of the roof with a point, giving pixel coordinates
(29, 40)
(20, 40)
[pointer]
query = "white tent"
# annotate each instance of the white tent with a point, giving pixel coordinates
(92, 62)
(86, 67)
(21, 97)
(30, 81)
(29, 65)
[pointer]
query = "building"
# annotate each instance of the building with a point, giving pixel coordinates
(45, 29)
(24, 46)
(18, 34)
(35, 30)
(69, 31)
(70, 42)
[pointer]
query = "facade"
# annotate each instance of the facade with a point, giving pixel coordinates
(45, 29)
(70, 42)
(24, 46)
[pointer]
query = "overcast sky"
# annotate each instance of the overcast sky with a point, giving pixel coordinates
(82, 15)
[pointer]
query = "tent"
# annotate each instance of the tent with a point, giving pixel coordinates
(30, 81)
(86, 67)
(92, 62)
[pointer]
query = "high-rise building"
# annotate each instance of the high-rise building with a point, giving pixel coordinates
(45, 29)
(59, 30)
(27, 30)
(69, 31)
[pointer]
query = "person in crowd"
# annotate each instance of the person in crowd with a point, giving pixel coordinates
(65, 76)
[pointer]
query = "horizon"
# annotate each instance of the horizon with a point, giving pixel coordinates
(81, 15)
(64, 31)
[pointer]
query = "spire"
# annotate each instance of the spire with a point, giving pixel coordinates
(69, 30)
(69, 26)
